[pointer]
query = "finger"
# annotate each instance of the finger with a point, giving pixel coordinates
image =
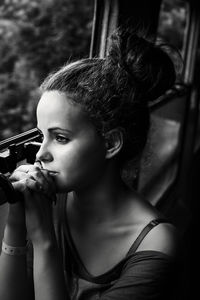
(38, 164)
(45, 181)
(40, 178)
(26, 168)
(18, 175)
(21, 171)
(29, 171)
(25, 184)
(34, 185)
(49, 177)
(33, 172)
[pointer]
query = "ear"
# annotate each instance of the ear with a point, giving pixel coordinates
(113, 142)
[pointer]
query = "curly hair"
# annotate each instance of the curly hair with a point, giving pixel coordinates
(115, 91)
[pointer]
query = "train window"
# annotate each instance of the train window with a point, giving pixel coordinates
(35, 38)
(172, 24)
(160, 162)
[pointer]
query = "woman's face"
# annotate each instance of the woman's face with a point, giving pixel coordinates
(71, 145)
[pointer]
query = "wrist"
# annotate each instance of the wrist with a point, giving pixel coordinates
(44, 239)
(45, 247)
(16, 215)
(14, 250)
(15, 236)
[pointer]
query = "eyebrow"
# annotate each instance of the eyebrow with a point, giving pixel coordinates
(59, 128)
(56, 128)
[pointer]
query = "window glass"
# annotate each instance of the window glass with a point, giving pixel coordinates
(36, 37)
(160, 161)
(172, 23)
(161, 156)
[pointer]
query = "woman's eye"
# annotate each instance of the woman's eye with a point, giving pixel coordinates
(61, 139)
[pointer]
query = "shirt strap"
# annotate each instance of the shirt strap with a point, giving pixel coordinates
(144, 232)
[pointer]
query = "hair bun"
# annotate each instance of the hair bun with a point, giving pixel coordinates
(148, 66)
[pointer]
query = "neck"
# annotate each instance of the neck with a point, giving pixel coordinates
(100, 201)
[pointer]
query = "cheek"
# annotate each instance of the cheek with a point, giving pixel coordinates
(79, 165)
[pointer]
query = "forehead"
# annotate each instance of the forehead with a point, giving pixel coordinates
(57, 109)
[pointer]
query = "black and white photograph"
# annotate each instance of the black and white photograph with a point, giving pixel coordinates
(99, 149)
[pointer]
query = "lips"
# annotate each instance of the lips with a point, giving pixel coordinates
(39, 164)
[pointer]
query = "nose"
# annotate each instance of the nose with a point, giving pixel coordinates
(44, 155)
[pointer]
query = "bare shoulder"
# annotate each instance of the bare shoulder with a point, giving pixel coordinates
(163, 238)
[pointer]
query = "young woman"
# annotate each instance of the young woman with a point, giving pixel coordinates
(100, 240)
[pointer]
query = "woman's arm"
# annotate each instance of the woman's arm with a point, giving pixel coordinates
(38, 190)
(13, 268)
(48, 272)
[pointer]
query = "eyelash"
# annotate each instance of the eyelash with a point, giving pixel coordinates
(59, 138)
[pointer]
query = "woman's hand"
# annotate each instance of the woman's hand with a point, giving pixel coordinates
(38, 189)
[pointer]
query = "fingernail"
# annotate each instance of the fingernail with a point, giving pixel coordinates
(37, 163)
(53, 173)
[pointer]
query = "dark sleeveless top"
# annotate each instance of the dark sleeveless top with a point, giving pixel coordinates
(141, 275)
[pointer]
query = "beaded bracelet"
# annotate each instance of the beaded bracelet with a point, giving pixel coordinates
(10, 250)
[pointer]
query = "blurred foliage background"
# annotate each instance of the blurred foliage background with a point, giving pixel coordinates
(37, 37)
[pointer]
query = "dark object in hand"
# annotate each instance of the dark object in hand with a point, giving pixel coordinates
(7, 192)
